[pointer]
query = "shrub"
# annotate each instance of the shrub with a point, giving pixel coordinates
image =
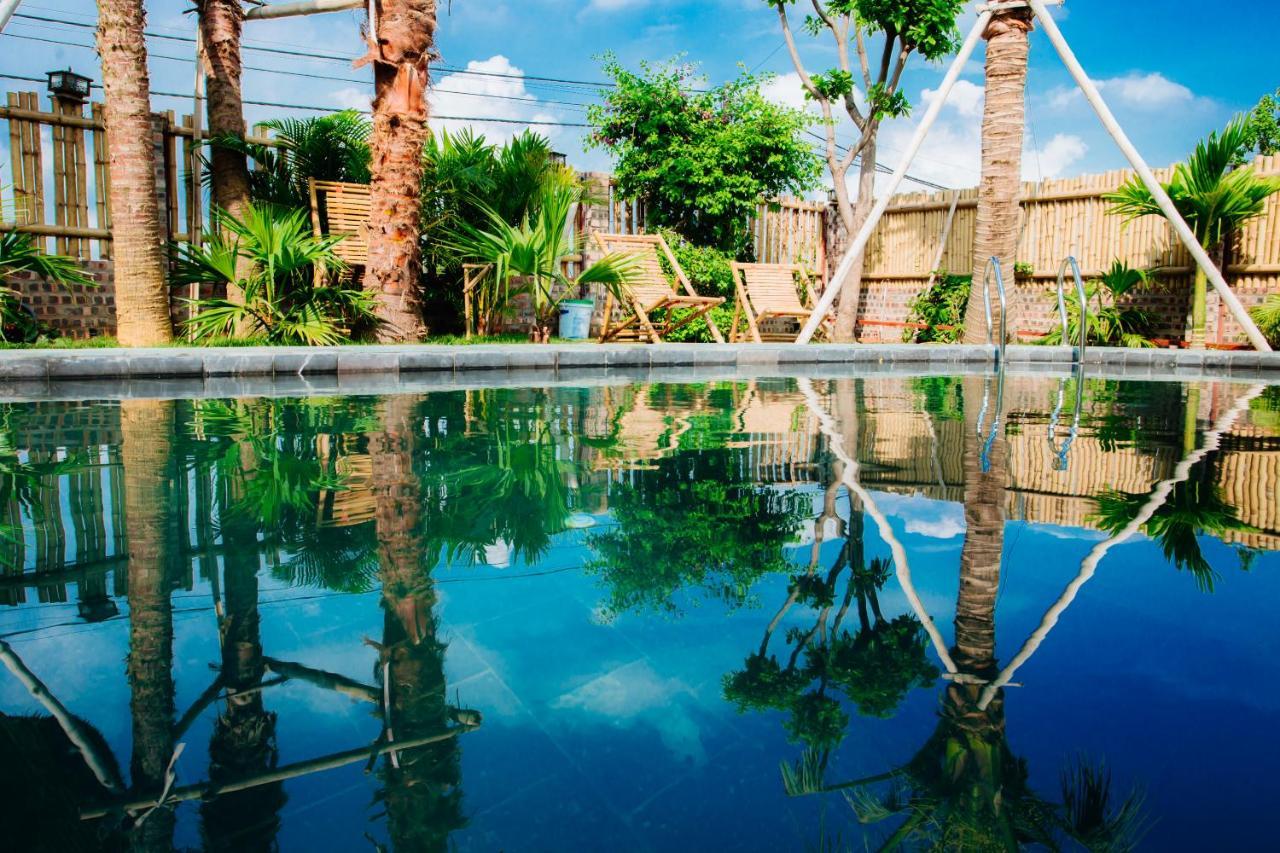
(1110, 323)
(294, 294)
(940, 309)
(19, 253)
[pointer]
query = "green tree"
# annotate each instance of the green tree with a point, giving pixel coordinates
(700, 160)
(19, 253)
(693, 522)
(1212, 196)
(868, 93)
(1262, 134)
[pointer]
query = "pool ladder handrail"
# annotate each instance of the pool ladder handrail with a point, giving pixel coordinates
(1061, 460)
(988, 438)
(1081, 298)
(993, 265)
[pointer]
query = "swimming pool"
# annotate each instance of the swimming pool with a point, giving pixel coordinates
(762, 614)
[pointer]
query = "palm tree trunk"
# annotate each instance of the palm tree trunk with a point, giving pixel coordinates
(405, 40)
(142, 294)
(846, 325)
(146, 435)
(221, 22)
(243, 743)
(984, 501)
(999, 191)
(421, 793)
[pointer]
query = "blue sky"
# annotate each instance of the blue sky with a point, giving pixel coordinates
(1187, 74)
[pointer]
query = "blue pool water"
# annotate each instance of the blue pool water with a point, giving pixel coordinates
(771, 615)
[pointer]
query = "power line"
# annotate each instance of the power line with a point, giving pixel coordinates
(577, 105)
(311, 54)
(881, 168)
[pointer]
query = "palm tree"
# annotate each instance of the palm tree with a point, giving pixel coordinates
(1211, 195)
(999, 214)
(420, 789)
(146, 435)
(142, 296)
(399, 49)
(220, 24)
(1195, 508)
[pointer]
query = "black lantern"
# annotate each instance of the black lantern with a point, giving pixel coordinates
(70, 86)
(560, 158)
(832, 198)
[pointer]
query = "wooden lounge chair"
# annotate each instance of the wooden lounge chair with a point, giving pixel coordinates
(772, 292)
(652, 292)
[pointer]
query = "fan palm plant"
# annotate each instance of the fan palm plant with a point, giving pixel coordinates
(332, 147)
(531, 256)
(293, 294)
(1213, 197)
(19, 253)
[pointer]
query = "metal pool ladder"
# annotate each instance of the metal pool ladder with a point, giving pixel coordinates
(1061, 454)
(1082, 300)
(993, 267)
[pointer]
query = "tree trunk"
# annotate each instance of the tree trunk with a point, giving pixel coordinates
(851, 294)
(142, 294)
(405, 39)
(146, 435)
(243, 743)
(984, 500)
(221, 22)
(999, 214)
(421, 787)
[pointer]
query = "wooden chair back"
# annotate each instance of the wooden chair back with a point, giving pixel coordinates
(651, 284)
(342, 208)
(775, 288)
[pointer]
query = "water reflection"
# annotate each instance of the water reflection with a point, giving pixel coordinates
(724, 561)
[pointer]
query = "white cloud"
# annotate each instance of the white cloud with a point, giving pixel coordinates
(1060, 153)
(353, 98)
(614, 5)
(1151, 92)
(966, 98)
(508, 102)
(787, 90)
(635, 693)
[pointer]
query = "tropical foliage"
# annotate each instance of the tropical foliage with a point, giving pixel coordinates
(1267, 316)
(1111, 320)
(709, 271)
(465, 179)
(332, 147)
(530, 256)
(700, 160)
(1195, 508)
(295, 293)
(19, 253)
(940, 309)
(1211, 195)
(1263, 128)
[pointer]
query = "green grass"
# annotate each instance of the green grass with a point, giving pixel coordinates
(112, 343)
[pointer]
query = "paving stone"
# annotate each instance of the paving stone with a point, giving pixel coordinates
(158, 364)
(304, 362)
(351, 360)
(228, 362)
(473, 358)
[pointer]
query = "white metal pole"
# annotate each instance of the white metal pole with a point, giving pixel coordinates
(303, 7)
(7, 8)
(1162, 199)
(864, 236)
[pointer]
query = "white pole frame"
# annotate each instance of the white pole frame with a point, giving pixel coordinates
(7, 8)
(303, 7)
(1108, 119)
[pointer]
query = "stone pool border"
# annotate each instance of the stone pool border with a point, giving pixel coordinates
(31, 374)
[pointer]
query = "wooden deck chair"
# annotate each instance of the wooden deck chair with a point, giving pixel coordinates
(652, 292)
(772, 292)
(342, 208)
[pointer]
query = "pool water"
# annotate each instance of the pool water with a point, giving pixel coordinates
(782, 614)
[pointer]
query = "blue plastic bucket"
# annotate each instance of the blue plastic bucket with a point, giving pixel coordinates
(575, 319)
